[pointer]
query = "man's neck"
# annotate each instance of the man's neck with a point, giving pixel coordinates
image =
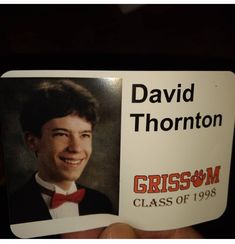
(64, 185)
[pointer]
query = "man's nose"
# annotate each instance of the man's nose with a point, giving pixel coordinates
(74, 144)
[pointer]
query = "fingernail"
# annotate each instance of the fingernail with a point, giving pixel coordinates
(118, 231)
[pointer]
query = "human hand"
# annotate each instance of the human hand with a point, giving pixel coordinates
(124, 231)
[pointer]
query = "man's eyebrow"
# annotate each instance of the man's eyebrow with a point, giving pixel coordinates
(63, 129)
(66, 130)
(85, 131)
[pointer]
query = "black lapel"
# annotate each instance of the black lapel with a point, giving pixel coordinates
(27, 204)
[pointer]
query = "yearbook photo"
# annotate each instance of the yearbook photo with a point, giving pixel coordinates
(61, 145)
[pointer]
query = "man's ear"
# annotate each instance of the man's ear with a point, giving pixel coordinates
(31, 141)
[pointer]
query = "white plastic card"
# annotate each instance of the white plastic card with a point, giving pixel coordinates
(174, 136)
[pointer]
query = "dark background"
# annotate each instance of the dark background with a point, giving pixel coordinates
(122, 37)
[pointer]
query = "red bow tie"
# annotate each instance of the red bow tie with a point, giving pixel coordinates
(58, 199)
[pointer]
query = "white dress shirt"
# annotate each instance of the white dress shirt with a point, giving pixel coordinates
(67, 209)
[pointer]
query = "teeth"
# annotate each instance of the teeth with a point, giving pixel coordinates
(70, 161)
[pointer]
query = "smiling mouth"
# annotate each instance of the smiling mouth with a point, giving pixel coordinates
(72, 162)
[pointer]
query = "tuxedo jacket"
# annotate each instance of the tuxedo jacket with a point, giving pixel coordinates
(27, 204)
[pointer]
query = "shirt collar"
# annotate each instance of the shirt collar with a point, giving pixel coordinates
(54, 187)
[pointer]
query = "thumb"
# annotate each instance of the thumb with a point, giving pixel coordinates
(118, 231)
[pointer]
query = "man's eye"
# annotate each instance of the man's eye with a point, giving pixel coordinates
(86, 135)
(60, 134)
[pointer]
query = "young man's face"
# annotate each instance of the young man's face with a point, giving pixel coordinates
(63, 149)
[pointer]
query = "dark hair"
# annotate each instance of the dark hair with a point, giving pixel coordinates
(55, 99)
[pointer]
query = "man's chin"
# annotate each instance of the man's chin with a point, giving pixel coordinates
(71, 178)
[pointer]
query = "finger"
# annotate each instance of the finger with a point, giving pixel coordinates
(182, 233)
(118, 231)
(88, 234)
